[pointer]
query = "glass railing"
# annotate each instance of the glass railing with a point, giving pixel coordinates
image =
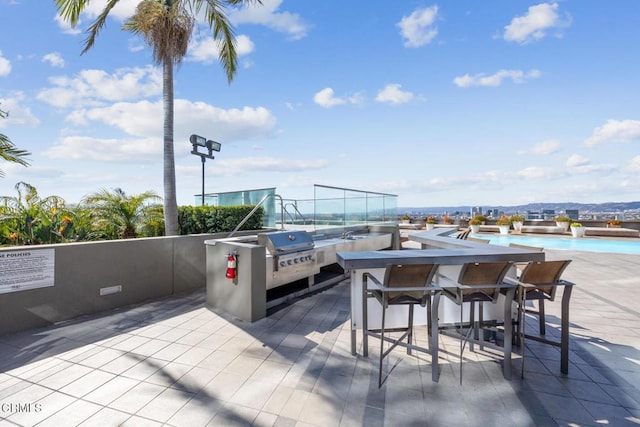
(246, 197)
(336, 206)
(330, 207)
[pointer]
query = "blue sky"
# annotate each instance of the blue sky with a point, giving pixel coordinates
(493, 102)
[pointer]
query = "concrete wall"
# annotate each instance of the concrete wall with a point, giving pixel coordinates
(145, 268)
(245, 297)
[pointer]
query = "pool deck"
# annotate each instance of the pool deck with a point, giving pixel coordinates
(177, 362)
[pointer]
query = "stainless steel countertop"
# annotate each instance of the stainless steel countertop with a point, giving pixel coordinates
(440, 250)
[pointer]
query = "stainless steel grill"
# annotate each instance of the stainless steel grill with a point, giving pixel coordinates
(290, 256)
(284, 242)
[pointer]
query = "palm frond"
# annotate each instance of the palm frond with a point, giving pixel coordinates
(97, 25)
(70, 10)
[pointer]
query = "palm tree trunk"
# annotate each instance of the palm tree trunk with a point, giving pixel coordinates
(170, 203)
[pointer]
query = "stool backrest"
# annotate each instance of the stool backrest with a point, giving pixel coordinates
(407, 275)
(477, 274)
(544, 275)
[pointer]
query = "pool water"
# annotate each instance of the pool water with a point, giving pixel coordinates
(566, 243)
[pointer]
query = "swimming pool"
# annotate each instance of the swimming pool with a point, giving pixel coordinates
(566, 243)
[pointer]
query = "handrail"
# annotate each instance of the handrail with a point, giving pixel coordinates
(255, 208)
(295, 208)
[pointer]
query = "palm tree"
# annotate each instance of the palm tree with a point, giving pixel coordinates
(118, 215)
(10, 152)
(167, 26)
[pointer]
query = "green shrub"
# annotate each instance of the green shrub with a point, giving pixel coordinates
(217, 219)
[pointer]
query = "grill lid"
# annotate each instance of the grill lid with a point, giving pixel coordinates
(284, 242)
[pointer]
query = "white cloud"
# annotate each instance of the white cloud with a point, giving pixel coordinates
(240, 166)
(66, 27)
(54, 59)
(135, 44)
(546, 147)
(106, 150)
(535, 172)
(535, 24)
(418, 28)
(144, 119)
(5, 66)
(204, 48)
(634, 165)
(325, 98)
(615, 131)
(268, 15)
(517, 76)
(19, 114)
(123, 9)
(577, 160)
(391, 93)
(92, 87)
(587, 169)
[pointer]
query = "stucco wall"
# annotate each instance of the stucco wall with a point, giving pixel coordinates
(145, 268)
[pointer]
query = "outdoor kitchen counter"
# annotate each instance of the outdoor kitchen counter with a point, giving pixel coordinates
(449, 253)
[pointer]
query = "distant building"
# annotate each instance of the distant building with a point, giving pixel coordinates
(573, 214)
(548, 214)
(533, 215)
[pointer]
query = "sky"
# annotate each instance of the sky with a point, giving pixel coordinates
(457, 102)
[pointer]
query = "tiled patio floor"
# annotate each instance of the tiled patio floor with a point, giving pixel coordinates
(176, 362)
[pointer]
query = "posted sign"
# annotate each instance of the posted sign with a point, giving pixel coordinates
(26, 269)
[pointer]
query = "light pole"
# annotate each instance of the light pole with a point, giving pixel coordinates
(211, 146)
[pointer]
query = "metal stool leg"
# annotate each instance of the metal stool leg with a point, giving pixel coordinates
(410, 326)
(381, 348)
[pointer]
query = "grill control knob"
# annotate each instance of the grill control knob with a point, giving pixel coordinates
(289, 262)
(282, 263)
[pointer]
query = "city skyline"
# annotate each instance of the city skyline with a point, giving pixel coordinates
(438, 102)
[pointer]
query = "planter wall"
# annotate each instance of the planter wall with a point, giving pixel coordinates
(145, 268)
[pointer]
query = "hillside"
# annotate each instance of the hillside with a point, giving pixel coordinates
(557, 207)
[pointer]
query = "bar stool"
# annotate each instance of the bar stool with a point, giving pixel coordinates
(479, 283)
(407, 284)
(539, 281)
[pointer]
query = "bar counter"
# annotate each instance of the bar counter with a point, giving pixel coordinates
(450, 253)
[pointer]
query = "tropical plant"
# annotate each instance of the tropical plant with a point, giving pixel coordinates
(475, 221)
(8, 151)
(430, 220)
(516, 218)
(576, 224)
(28, 219)
(117, 215)
(614, 221)
(166, 26)
(405, 217)
(563, 219)
(446, 219)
